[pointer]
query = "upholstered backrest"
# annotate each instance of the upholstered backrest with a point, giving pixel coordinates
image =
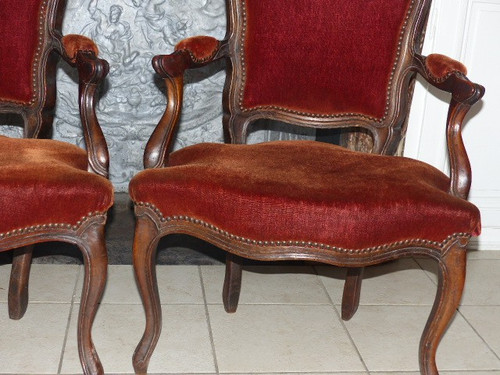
(21, 27)
(323, 59)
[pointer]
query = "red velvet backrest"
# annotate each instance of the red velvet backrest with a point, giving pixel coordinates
(320, 57)
(19, 31)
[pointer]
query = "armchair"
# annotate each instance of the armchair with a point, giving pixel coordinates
(51, 190)
(343, 64)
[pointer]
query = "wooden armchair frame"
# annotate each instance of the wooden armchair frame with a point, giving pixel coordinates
(388, 132)
(37, 114)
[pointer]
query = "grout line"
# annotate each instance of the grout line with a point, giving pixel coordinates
(342, 322)
(210, 333)
(59, 367)
(273, 303)
(425, 271)
(477, 333)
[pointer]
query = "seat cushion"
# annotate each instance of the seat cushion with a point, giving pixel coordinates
(307, 191)
(46, 182)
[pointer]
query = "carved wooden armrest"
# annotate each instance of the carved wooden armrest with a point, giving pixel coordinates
(73, 43)
(439, 67)
(201, 49)
(190, 53)
(450, 75)
(81, 52)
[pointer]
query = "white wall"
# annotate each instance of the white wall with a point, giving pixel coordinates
(467, 30)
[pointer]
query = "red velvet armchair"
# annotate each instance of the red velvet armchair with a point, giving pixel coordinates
(50, 190)
(321, 64)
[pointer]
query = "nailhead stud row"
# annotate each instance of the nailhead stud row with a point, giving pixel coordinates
(44, 227)
(384, 247)
(342, 115)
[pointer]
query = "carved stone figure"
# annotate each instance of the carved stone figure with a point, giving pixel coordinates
(112, 34)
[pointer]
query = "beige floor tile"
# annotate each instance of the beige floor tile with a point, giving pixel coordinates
(176, 284)
(493, 372)
(484, 254)
(179, 284)
(268, 285)
(49, 283)
(311, 373)
(401, 282)
(486, 321)
(388, 336)
(33, 345)
(440, 372)
(184, 345)
(281, 338)
(481, 275)
(295, 373)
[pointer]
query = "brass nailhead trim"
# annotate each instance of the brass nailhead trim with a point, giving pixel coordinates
(201, 61)
(36, 59)
(389, 246)
(44, 227)
(441, 79)
(339, 115)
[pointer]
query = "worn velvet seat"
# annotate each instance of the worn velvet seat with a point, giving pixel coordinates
(327, 195)
(324, 64)
(51, 190)
(41, 179)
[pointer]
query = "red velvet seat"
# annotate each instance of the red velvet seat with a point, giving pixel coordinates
(40, 179)
(322, 64)
(353, 200)
(49, 190)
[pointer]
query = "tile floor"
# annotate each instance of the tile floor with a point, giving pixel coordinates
(287, 322)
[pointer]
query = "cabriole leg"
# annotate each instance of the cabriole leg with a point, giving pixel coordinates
(451, 283)
(96, 264)
(145, 244)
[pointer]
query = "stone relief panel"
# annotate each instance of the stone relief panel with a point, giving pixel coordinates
(129, 33)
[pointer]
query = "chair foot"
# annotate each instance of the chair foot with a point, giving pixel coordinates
(145, 245)
(232, 283)
(451, 283)
(352, 291)
(19, 282)
(96, 264)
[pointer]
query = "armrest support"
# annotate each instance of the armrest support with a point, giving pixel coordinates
(190, 53)
(448, 75)
(81, 53)
(91, 73)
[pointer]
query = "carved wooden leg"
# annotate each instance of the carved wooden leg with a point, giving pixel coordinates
(19, 282)
(232, 283)
(145, 244)
(450, 287)
(352, 290)
(96, 264)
